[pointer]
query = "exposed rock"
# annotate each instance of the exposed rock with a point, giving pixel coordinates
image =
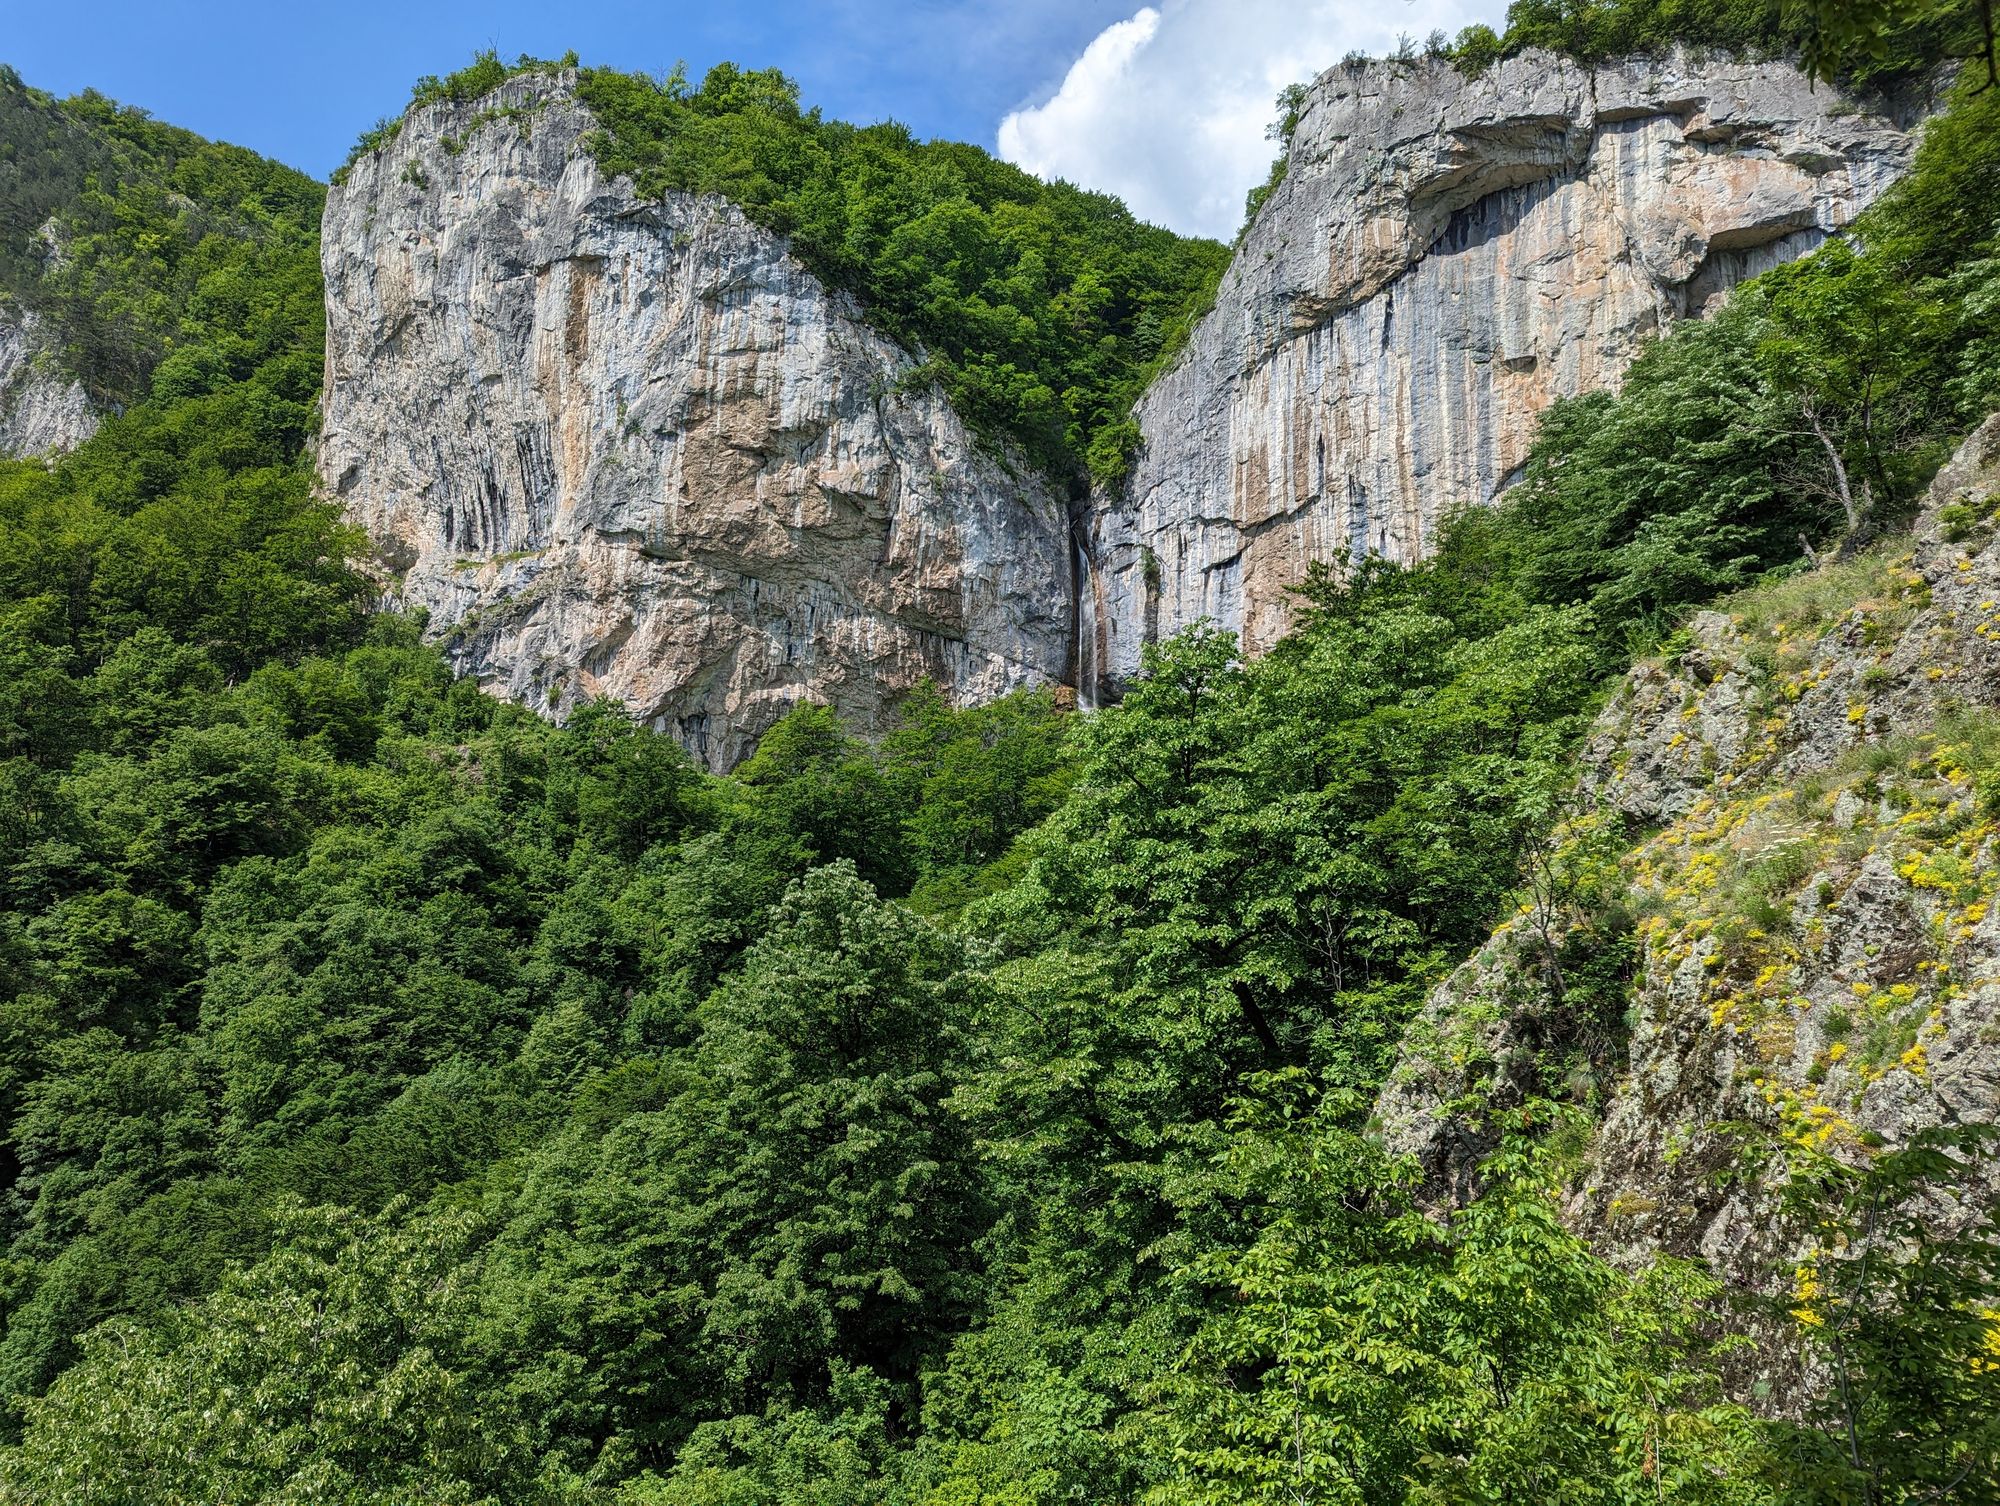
(1821, 910)
(1872, 1009)
(42, 411)
(637, 449)
(1466, 1055)
(1877, 675)
(1444, 258)
(1670, 729)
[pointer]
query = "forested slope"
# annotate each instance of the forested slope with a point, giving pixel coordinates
(409, 1099)
(132, 242)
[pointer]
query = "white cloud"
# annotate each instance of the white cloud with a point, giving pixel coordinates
(1168, 109)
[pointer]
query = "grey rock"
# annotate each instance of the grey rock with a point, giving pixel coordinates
(1656, 749)
(43, 412)
(1869, 1010)
(1468, 1053)
(1444, 258)
(634, 448)
(1871, 680)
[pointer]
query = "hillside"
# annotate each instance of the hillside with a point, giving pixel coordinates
(124, 242)
(1525, 1034)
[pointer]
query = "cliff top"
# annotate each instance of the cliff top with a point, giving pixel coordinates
(1043, 309)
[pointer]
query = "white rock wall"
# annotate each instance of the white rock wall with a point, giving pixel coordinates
(42, 412)
(637, 449)
(1445, 258)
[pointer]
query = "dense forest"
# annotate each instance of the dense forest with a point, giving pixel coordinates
(408, 1099)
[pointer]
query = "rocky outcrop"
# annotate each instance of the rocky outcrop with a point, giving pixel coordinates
(42, 411)
(634, 448)
(1445, 257)
(1816, 898)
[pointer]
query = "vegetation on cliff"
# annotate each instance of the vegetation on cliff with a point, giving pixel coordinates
(405, 1098)
(1043, 309)
(1857, 41)
(1806, 414)
(138, 242)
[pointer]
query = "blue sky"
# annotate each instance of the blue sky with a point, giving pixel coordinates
(1163, 103)
(299, 81)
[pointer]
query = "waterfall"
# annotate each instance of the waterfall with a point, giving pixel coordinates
(1085, 618)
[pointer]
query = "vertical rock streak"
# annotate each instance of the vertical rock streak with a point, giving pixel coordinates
(42, 411)
(636, 449)
(1446, 257)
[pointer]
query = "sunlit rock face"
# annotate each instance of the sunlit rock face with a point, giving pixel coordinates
(1446, 257)
(636, 449)
(1864, 1018)
(43, 411)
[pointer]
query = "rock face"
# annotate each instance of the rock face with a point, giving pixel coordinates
(42, 412)
(1444, 258)
(1818, 942)
(635, 448)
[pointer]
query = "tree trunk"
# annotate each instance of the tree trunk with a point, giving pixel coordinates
(1838, 466)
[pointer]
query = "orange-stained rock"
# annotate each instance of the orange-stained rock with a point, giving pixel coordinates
(636, 449)
(1444, 258)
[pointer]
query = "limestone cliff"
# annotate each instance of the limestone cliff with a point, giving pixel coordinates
(42, 411)
(1815, 781)
(637, 449)
(1445, 257)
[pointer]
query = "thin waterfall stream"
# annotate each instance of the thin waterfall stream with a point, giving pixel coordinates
(1085, 618)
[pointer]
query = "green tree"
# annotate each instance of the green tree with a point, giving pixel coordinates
(1898, 1309)
(790, 1196)
(332, 1371)
(1363, 1353)
(815, 780)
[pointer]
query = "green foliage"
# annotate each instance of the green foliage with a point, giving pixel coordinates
(1899, 1306)
(479, 78)
(1291, 105)
(1042, 309)
(972, 780)
(402, 1097)
(1283, 853)
(1856, 41)
(1477, 48)
(835, 1454)
(1876, 36)
(139, 244)
(794, 1190)
(1358, 1352)
(333, 1371)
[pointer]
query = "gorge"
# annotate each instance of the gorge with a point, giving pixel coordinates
(637, 449)
(704, 807)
